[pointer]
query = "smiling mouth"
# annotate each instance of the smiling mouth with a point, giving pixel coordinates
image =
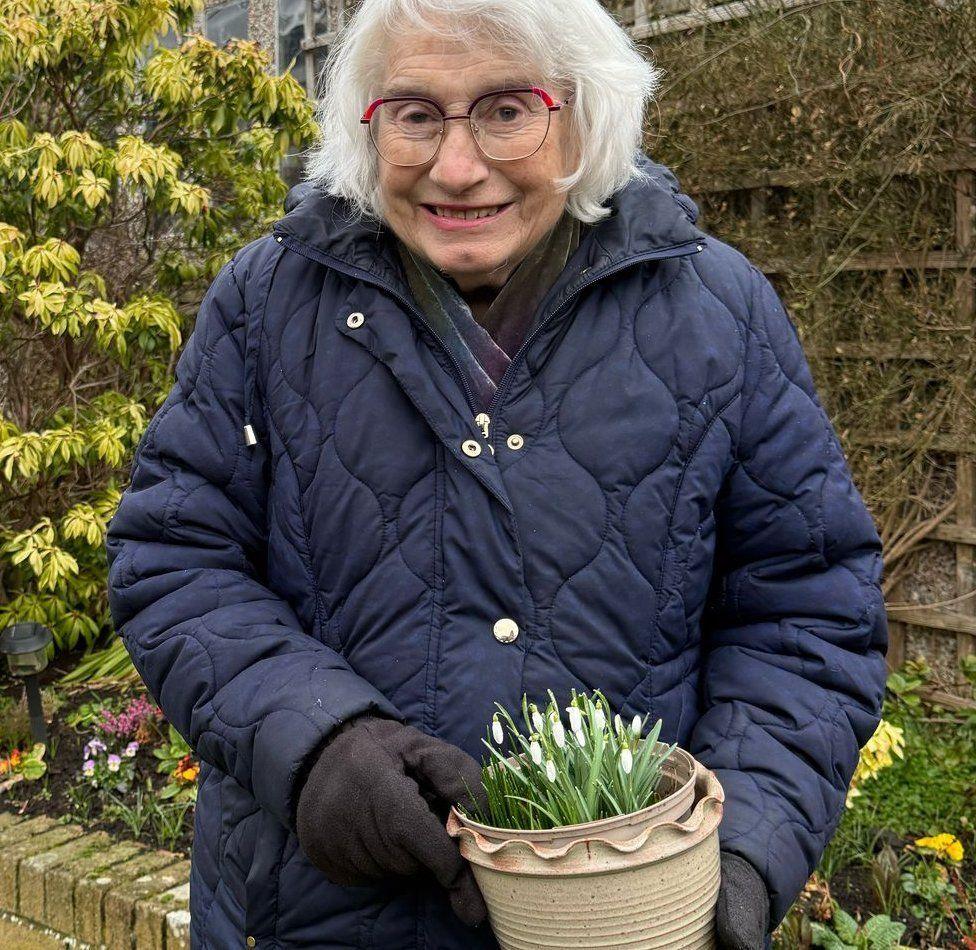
(474, 215)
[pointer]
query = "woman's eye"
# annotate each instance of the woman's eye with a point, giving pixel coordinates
(507, 113)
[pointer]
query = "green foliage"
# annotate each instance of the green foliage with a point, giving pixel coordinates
(930, 893)
(596, 768)
(878, 933)
(932, 786)
(29, 765)
(129, 174)
(111, 665)
(175, 761)
(906, 682)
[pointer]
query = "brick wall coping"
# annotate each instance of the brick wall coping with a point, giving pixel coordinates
(61, 886)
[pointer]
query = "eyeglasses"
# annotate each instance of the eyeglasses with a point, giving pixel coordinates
(508, 125)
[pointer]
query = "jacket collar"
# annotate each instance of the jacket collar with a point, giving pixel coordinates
(647, 219)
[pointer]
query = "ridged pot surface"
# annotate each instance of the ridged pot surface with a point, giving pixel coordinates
(591, 886)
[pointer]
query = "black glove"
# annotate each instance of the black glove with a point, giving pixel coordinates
(375, 804)
(742, 911)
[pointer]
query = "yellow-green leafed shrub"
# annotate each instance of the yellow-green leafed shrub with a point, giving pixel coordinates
(877, 754)
(129, 174)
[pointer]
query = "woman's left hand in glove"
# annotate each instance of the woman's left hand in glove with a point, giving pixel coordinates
(742, 911)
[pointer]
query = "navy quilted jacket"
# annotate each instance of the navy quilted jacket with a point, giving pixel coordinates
(660, 508)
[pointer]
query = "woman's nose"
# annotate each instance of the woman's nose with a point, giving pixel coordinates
(459, 162)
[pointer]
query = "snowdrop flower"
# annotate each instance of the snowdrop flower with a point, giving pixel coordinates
(535, 750)
(580, 738)
(558, 733)
(551, 770)
(114, 761)
(537, 722)
(88, 766)
(635, 726)
(626, 760)
(599, 719)
(130, 749)
(618, 724)
(496, 730)
(575, 719)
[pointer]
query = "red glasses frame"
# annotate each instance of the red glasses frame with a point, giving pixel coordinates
(553, 105)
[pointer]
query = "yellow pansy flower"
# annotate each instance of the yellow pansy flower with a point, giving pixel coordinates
(945, 845)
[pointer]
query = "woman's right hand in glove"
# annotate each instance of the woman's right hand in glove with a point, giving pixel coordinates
(375, 804)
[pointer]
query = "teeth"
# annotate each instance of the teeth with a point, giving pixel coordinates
(467, 215)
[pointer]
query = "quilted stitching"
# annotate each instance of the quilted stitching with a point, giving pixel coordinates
(679, 529)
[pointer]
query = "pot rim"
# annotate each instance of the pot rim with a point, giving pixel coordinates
(598, 824)
(704, 818)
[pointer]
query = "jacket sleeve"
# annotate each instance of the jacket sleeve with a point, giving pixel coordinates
(794, 632)
(227, 660)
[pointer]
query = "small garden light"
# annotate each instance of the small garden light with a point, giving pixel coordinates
(25, 646)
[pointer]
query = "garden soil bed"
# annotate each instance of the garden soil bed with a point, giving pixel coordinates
(49, 795)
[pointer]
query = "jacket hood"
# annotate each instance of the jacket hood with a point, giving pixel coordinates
(647, 217)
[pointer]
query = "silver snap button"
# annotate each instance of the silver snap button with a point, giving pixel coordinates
(355, 320)
(470, 447)
(515, 441)
(505, 630)
(278, 239)
(701, 247)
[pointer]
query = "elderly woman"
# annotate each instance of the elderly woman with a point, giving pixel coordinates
(488, 414)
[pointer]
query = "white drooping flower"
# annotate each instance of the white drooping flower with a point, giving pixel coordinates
(537, 721)
(575, 718)
(580, 738)
(618, 724)
(558, 733)
(551, 770)
(496, 730)
(635, 726)
(626, 760)
(599, 719)
(535, 750)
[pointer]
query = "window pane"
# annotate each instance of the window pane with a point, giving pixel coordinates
(320, 55)
(329, 16)
(291, 30)
(227, 22)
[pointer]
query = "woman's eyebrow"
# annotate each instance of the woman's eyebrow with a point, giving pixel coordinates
(409, 89)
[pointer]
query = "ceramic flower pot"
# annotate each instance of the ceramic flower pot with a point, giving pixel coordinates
(645, 880)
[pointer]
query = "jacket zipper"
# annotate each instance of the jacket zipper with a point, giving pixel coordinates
(483, 419)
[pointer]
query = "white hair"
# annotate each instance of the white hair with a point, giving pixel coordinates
(575, 44)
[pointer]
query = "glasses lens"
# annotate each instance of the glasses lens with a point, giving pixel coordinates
(406, 132)
(510, 125)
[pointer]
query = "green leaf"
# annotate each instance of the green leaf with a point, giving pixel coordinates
(844, 924)
(532, 804)
(825, 937)
(882, 932)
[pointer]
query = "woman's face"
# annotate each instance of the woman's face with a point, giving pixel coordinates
(459, 174)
